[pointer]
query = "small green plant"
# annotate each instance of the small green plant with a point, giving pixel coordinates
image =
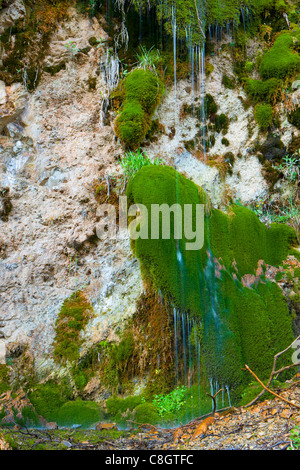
(4, 379)
(134, 161)
(290, 167)
(295, 438)
(72, 47)
(147, 59)
(171, 403)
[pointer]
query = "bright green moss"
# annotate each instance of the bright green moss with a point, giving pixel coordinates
(132, 124)
(142, 93)
(262, 91)
(297, 272)
(278, 276)
(263, 114)
(145, 87)
(281, 60)
(153, 186)
(240, 236)
(237, 236)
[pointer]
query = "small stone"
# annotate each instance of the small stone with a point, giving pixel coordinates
(67, 443)
(296, 84)
(101, 426)
(51, 425)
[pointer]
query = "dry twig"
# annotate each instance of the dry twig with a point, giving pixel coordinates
(274, 372)
(271, 391)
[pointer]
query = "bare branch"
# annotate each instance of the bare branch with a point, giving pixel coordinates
(271, 391)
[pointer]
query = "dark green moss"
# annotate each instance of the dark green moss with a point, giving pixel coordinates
(272, 149)
(221, 123)
(225, 142)
(211, 107)
(55, 68)
(228, 82)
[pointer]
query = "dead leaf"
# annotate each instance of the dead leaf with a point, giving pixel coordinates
(176, 435)
(203, 427)
(286, 413)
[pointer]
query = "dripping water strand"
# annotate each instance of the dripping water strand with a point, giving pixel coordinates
(174, 28)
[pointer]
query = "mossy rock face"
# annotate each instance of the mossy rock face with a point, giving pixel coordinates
(211, 12)
(32, 38)
(273, 148)
(294, 145)
(238, 324)
(142, 91)
(294, 118)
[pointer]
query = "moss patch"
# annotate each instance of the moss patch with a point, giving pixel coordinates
(142, 91)
(263, 90)
(282, 59)
(4, 379)
(263, 114)
(72, 318)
